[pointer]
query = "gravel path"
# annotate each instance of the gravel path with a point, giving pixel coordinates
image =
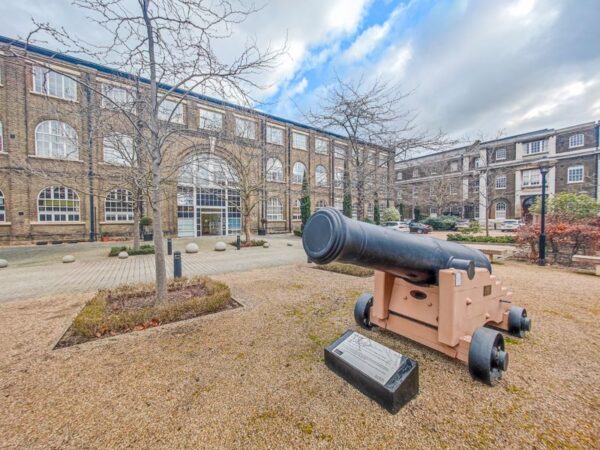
(254, 377)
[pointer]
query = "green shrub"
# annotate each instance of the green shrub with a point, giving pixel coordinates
(297, 232)
(367, 220)
(482, 239)
(474, 227)
(441, 223)
(146, 221)
(390, 215)
(252, 243)
(144, 250)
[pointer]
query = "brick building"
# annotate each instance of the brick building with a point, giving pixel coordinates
(57, 169)
(500, 178)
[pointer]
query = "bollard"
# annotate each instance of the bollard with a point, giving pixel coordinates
(238, 242)
(177, 265)
(169, 246)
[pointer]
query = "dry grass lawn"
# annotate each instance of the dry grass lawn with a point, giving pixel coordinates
(254, 377)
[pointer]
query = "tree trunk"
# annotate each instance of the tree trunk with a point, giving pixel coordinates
(159, 250)
(136, 227)
(247, 231)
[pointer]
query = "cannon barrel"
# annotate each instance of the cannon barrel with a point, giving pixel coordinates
(329, 236)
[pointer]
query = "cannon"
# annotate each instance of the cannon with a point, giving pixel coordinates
(440, 294)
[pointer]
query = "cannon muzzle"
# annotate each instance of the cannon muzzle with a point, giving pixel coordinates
(330, 236)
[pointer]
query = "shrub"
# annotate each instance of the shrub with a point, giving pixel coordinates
(367, 220)
(146, 221)
(568, 206)
(143, 250)
(481, 239)
(390, 215)
(347, 269)
(297, 232)
(443, 223)
(473, 227)
(252, 243)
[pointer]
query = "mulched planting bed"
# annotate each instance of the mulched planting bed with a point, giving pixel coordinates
(131, 308)
(143, 250)
(252, 243)
(346, 269)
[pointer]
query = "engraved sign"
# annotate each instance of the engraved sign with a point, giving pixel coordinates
(369, 357)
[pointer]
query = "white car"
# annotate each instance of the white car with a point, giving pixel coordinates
(398, 226)
(510, 225)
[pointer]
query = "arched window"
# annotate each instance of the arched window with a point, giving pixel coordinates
(321, 176)
(58, 204)
(296, 210)
(298, 172)
(501, 207)
(274, 209)
(54, 139)
(118, 206)
(321, 204)
(2, 208)
(274, 170)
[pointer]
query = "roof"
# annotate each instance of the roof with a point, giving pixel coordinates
(122, 74)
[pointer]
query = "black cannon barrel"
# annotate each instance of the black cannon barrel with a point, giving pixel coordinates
(330, 236)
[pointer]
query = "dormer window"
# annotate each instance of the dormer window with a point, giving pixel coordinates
(536, 147)
(577, 140)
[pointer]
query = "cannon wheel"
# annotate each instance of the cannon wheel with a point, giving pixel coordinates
(487, 358)
(518, 322)
(362, 309)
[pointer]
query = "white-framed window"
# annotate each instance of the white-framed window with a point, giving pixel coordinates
(478, 163)
(452, 188)
(501, 207)
(501, 182)
(118, 206)
(454, 166)
(274, 135)
(115, 96)
(118, 149)
(354, 211)
(296, 210)
(1, 138)
(576, 140)
(171, 111)
(210, 120)
(536, 147)
(245, 128)
(415, 173)
(338, 178)
(500, 154)
(370, 211)
(2, 208)
(372, 157)
(274, 209)
(575, 174)
(321, 175)
(321, 204)
(298, 172)
(339, 151)
(58, 204)
(399, 175)
(48, 82)
(299, 141)
(55, 139)
(274, 170)
(338, 204)
(531, 178)
(321, 146)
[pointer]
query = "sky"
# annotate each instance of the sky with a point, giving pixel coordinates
(475, 68)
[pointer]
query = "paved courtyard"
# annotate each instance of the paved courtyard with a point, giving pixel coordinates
(38, 271)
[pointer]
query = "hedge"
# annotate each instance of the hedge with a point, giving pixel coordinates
(482, 239)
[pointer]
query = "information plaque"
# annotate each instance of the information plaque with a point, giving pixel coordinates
(386, 376)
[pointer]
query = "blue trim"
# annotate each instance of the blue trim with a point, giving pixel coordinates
(121, 74)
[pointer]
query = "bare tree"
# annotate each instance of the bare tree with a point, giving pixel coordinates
(170, 45)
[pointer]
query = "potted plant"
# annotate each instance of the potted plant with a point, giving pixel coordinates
(146, 224)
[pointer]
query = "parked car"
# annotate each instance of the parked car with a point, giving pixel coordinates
(419, 228)
(510, 225)
(398, 226)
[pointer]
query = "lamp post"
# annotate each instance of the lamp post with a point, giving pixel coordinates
(544, 165)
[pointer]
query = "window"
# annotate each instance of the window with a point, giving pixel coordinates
(339, 152)
(118, 206)
(577, 140)
(51, 83)
(58, 204)
(338, 204)
(54, 139)
(115, 96)
(321, 176)
(354, 212)
(299, 141)
(2, 208)
(274, 170)
(296, 211)
(453, 166)
(245, 128)
(210, 120)
(530, 178)
(370, 211)
(398, 176)
(321, 204)
(274, 135)
(171, 111)
(575, 174)
(298, 173)
(501, 182)
(452, 189)
(500, 154)
(501, 209)
(338, 178)
(478, 163)
(321, 146)
(274, 209)
(1, 138)
(536, 147)
(118, 149)
(415, 173)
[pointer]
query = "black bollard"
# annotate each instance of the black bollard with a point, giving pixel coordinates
(238, 242)
(177, 265)
(169, 246)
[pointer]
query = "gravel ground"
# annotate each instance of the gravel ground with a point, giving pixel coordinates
(254, 377)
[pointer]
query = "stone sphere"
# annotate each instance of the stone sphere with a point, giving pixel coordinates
(220, 246)
(192, 247)
(68, 259)
(3, 263)
(123, 255)
(266, 245)
(290, 244)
